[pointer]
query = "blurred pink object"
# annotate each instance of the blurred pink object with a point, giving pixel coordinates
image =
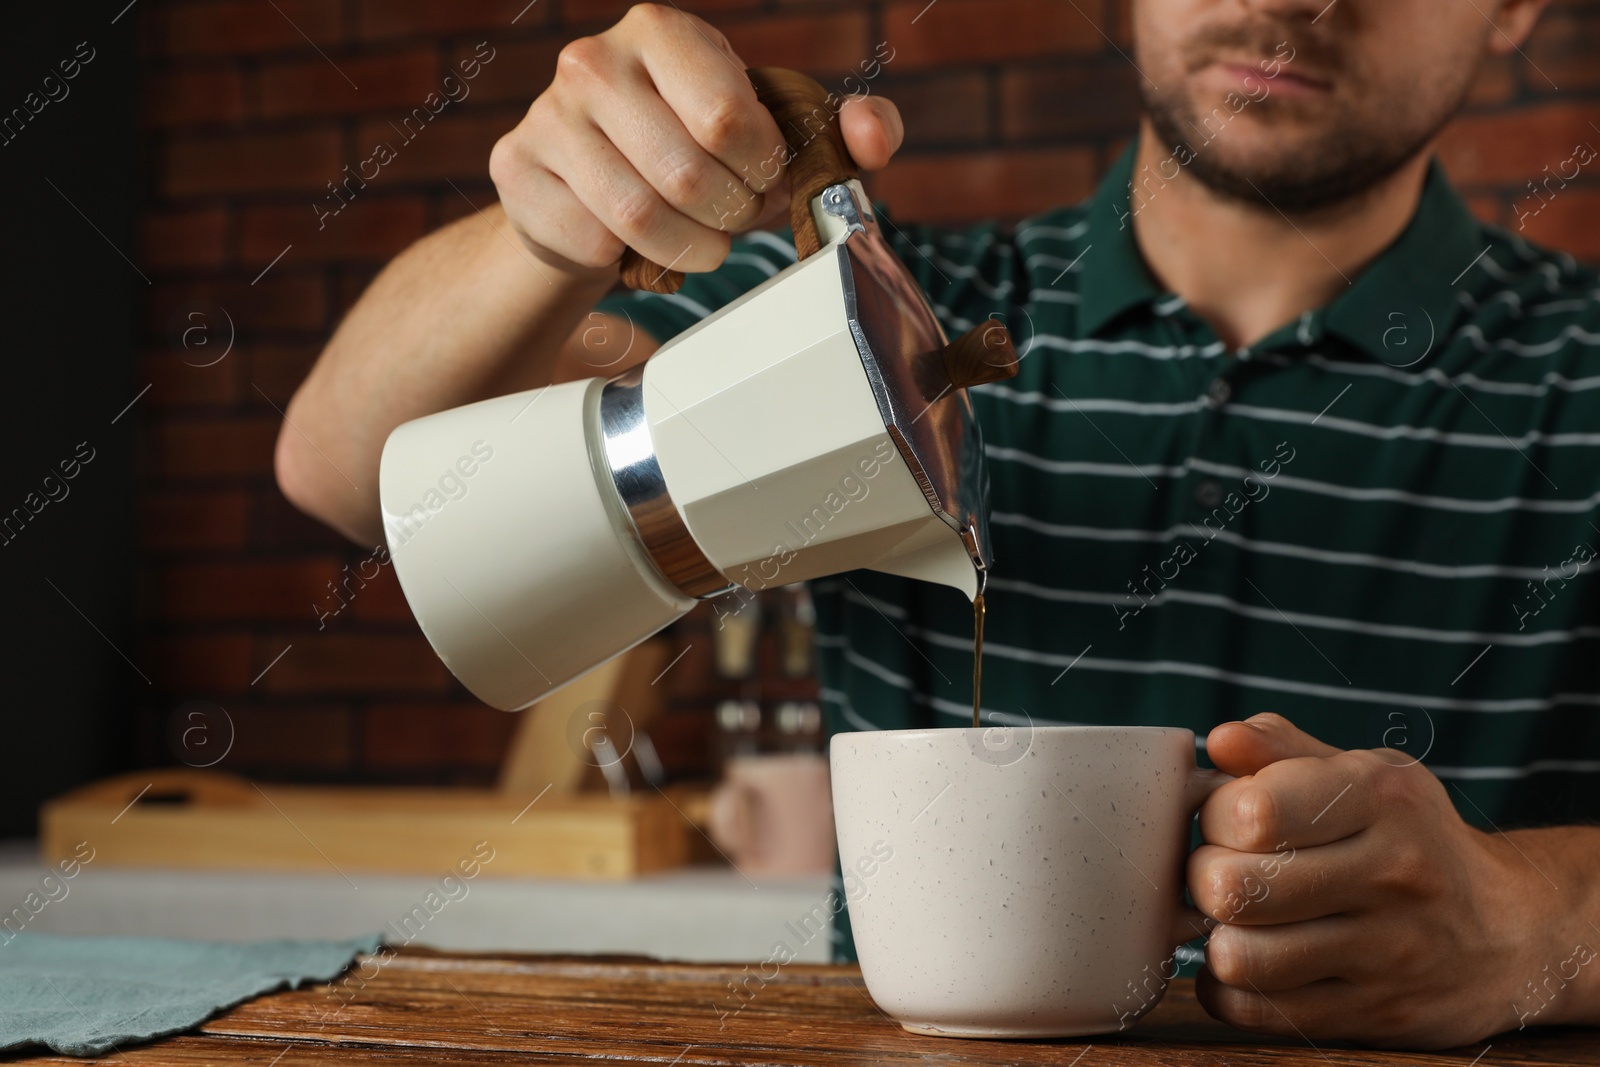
(773, 814)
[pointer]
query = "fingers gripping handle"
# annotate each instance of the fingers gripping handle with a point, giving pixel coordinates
(816, 158)
(1190, 922)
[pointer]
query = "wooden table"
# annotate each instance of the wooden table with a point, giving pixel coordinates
(426, 1008)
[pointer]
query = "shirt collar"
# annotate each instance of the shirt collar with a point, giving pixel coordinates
(1115, 277)
(1412, 275)
(1415, 273)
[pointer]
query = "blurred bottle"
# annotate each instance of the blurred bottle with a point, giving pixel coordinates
(735, 634)
(797, 623)
(799, 726)
(739, 727)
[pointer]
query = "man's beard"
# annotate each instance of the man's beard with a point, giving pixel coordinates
(1351, 155)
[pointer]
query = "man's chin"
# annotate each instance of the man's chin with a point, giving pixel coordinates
(1302, 119)
(1265, 153)
(1251, 148)
(1282, 183)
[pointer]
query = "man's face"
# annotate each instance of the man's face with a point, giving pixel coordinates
(1359, 87)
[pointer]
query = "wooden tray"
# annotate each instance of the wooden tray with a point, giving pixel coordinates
(205, 819)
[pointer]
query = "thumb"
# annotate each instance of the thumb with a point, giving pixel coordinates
(1241, 748)
(872, 130)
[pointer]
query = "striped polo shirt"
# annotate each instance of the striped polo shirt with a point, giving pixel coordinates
(1379, 521)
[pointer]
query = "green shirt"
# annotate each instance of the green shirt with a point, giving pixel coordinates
(1379, 521)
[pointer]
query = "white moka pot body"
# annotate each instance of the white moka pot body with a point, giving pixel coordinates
(775, 449)
(516, 548)
(512, 547)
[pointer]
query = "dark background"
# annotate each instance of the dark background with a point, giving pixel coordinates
(199, 139)
(71, 354)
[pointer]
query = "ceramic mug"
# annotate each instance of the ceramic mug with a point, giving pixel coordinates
(1036, 889)
(772, 815)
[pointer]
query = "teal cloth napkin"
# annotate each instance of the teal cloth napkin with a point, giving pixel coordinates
(84, 996)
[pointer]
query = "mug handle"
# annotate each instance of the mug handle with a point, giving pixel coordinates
(732, 817)
(1202, 783)
(1191, 922)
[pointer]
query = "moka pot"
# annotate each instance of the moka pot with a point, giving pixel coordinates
(816, 425)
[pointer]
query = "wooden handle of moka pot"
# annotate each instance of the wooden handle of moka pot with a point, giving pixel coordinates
(818, 158)
(982, 355)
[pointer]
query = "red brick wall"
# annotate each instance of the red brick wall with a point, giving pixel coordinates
(251, 106)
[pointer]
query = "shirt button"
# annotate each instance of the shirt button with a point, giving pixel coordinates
(1218, 393)
(1208, 494)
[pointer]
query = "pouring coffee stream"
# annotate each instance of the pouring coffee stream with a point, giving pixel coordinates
(816, 425)
(977, 656)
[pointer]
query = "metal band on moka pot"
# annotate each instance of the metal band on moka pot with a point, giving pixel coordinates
(636, 473)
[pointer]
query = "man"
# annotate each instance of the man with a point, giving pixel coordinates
(1291, 432)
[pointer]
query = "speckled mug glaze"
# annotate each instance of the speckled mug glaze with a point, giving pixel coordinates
(1036, 876)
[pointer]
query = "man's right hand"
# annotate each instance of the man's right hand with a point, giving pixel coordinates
(651, 137)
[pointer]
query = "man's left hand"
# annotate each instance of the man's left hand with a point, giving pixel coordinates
(1353, 901)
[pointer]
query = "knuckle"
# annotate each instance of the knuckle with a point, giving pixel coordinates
(1409, 954)
(580, 59)
(505, 160)
(1229, 957)
(1395, 758)
(1202, 885)
(645, 15)
(685, 180)
(1390, 785)
(726, 126)
(1391, 1016)
(636, 216)
(1407, 872)
(1370, 762)
(1255, 813)
(1227, 894)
